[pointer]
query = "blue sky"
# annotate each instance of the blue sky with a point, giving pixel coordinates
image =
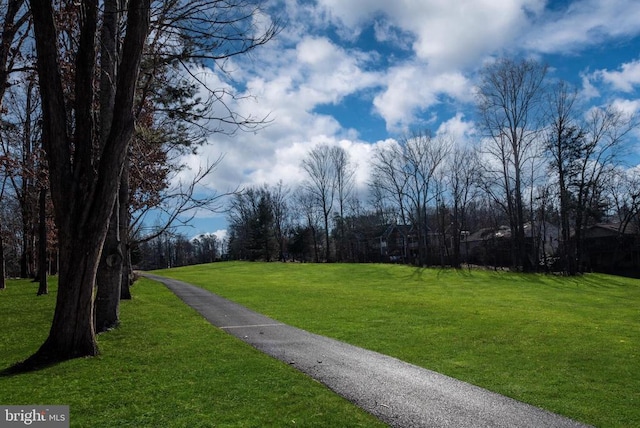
(358, 72)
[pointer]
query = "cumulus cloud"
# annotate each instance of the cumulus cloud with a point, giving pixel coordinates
(459, 129)
(446, 34)
(413, 88)
(625, 79)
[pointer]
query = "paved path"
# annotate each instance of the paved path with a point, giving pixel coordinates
(398, 393)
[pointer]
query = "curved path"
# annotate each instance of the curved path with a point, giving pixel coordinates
(398, 393)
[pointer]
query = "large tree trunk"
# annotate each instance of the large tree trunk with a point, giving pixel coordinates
(109, 276)
(72, 334)
(84, 182)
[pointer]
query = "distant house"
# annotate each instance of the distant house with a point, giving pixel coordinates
(612, 248)
(487, 246)
(397, 243)
(492, 246)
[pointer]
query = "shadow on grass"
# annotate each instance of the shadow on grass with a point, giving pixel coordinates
(36, 362)
(544, 279)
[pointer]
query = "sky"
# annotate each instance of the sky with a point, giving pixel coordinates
(357, 73)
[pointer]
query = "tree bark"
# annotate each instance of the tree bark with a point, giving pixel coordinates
(84, 183)
(109, 276)
(43, 287)
(125, 283)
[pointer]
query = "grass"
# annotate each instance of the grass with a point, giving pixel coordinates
(570, 345)
(165, 366)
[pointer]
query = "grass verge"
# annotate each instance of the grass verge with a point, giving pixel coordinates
(570, 345)
(165, 366)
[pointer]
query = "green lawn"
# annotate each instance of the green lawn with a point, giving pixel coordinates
(164, 367)
(570, 345)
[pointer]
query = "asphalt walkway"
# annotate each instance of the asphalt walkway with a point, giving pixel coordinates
(398, 393)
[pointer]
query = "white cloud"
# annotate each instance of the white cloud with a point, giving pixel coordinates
(446, 34)
(625, 79)
(461, 131)
(221, 234)
(627, 107)
(584, 23)
(588, 90)
(413, 88)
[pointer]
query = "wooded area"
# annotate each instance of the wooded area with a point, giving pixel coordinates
(100, 103)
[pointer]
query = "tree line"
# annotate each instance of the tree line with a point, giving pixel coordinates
(543, 157)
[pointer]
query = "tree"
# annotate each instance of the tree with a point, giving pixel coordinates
(15, 20)
(281, 216)
(345, 182)
(252, 223)
(405, 173)
(605, 130)
(185, 37)
(84, 173)
(564, 142)
(3, 274)
(310, 217)
(110, 268)
(624, 192)
(462, 166)
(509, 96)
(388, 182)
(321, 184)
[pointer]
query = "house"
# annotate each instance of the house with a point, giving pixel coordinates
(396, 243)
(612, 248)
(487, 246)
(492, 246)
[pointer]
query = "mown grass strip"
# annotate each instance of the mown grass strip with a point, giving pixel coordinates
(165, 366)
(570, 345)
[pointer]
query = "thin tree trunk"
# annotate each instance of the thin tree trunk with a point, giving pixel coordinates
(3, 284)
(125, 283)
(42, 243)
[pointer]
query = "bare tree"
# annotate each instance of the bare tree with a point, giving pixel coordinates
(3, 284)
(625, 194)
(509, 96)
(462, 170)
(388, 181)
(281, 215)
(310, 216)
(345, 182)
(564, 141)
(322, 185)
(15, 16)
(405, 172)
(605, 131)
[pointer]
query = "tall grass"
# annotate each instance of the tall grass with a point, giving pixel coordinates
(570, 345)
